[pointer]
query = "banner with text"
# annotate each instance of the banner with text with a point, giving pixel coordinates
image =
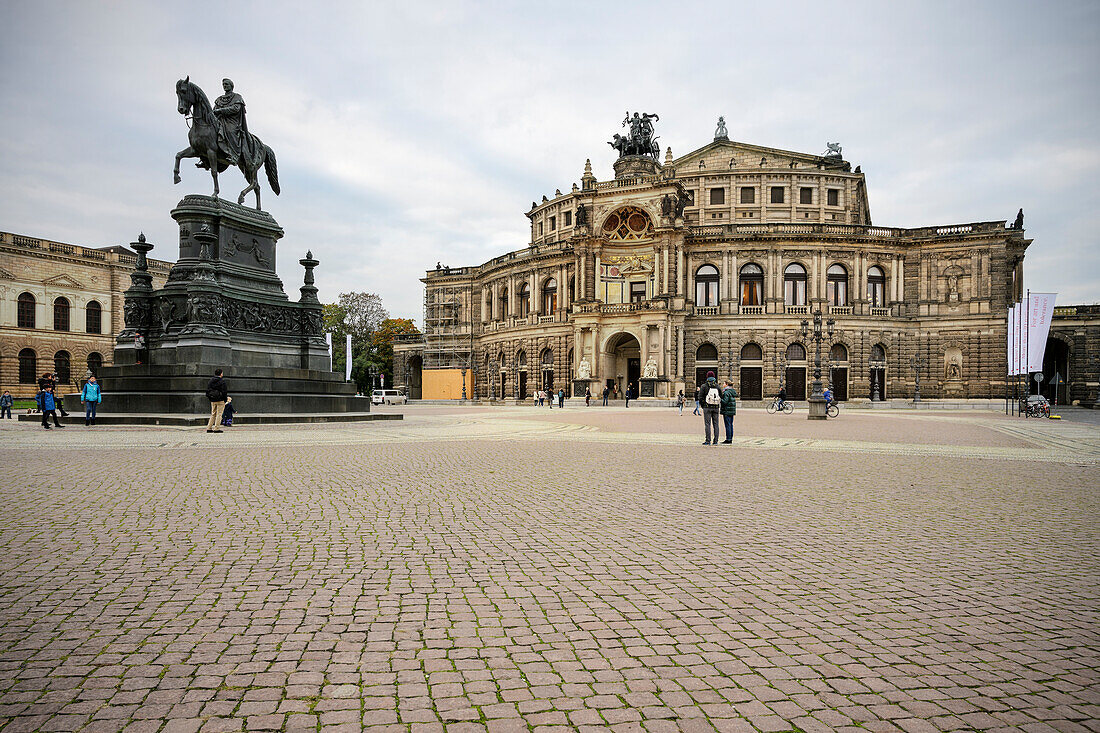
(1040, 311)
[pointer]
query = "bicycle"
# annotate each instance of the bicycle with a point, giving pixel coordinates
(788, 406)
(1036, 409)
(832, 409)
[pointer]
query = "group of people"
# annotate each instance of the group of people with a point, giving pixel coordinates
(549, 397)
(49, 402)
(713, 400)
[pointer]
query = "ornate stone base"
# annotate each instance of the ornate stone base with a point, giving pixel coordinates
(817, 409)
(954, 388)
(630, 166)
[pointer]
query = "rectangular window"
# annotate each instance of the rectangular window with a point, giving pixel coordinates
(540, 228)
(794, 292)
(717, 196)
(637, 292)
(568, 219)
(553, 223)
(777, 195)
(748, 195)
(805, 195)
(691, 198)
(834, 197)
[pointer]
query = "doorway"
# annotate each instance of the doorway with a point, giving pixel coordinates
(1055, 366)
(839, 378)
(752, 383)
(522, 385)
(633, 374)
(796, 383)
(622, 359)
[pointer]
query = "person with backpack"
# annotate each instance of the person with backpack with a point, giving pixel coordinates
(216, 391)
(48, 405)
(91, 397)
(728, 410)
(680, 402)
(710, 397)
(561, 399)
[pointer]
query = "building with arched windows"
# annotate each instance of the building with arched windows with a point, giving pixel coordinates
(60, 308)
(711, 262)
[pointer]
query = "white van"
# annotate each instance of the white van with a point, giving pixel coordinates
(387, 397)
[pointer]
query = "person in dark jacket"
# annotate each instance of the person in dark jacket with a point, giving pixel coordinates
(50, 380)
(6, 402)
(561, 399)
(48, 406)
(606, 392)
(710, 397)
(728, 409)
(227, 414)
(696, 410)
(216, 391)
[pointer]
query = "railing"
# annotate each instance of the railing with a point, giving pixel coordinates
(546, 319)
(797, 310)
(840, 310)
(67, 249)
(706, 310)
(87, 253)
(752, 310)
(523, 254)
(880, 311)
(625, 182)
(1077, 310)
(26, 242)
(736, 229)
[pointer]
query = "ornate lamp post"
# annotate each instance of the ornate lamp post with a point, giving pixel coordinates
(817, 399)
(918, 364)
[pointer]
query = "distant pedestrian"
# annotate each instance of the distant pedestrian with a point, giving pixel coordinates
(91, 396)
(139, 348)
(549, 394)
(561, 399)
(228, 412)
(626, 394)
(729, 409)
(606, 391)
(48, 406)
(680, 402)
(5, 405)
(217, 391)
(696, 410)
(710, 397)
(587, 396)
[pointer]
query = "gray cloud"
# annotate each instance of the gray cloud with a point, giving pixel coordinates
(411, 134)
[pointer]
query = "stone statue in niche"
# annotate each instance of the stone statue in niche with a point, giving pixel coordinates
(584, 369)
(650, 370)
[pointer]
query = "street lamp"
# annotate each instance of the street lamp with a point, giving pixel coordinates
(918, 364)
(817, 399)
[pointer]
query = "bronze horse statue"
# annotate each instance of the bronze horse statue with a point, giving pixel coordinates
(206, 140)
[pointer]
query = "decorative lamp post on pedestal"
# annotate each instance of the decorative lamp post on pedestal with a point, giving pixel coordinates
(817, 398)
(918, 364)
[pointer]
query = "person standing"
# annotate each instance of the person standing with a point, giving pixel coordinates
(606, 391)
(5, 405)
(626, 393)
(729, 409)
(710, 397)
(91, 396)
(696, 410)
(216, 391)
(680, 402)
(50, 380)
(561, 399)
(587, 396)
(48, 406)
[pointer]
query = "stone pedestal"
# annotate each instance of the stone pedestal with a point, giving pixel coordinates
(223, 306)
(817, 408)
(954, 389)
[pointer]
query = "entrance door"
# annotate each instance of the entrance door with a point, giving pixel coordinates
(752, 383)
(633, 374)
(840, 384)
(878, 376)
(522, 386)
(548, 380)
(503, 382)
(796, 383)
(701, 376)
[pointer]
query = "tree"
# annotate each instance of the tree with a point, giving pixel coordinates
(383, 339)
(363, 313)
(358, 314)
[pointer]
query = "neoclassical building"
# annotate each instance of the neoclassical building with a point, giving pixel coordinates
(712, 262)
(60, 308)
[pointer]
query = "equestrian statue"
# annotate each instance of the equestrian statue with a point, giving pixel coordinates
(219, 138)
(640, 140)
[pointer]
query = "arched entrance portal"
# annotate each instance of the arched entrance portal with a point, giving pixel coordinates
(1055, 367)
(413, 372)
(622, 362)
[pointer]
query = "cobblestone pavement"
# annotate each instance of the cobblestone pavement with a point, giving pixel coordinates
(504, 570)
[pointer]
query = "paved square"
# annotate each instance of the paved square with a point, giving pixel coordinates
(516, 569)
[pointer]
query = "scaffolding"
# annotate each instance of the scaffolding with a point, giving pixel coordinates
(448, 329)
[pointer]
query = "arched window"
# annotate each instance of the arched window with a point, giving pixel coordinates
(93, 317)
(550, 296)
(61, 364)
(878, 352)
(796, 352)
(706, 352)
(524, 300)
(521, 359)
(504, 303)
(752, 284)
(95, 361)
(836, 285)
(547, 359)
(61, 314)
(26, 311)
(751, 352)
(876, 287)
(794, 284)
(839, 352)
(706, 285)
(572, 288)
(28, 366)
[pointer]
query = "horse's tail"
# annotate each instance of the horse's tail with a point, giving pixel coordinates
(272, 169)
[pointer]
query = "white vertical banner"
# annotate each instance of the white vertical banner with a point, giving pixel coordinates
(1040, 311)
(328, 342)
(1018, 351)
(1013, 323)
(347, 360)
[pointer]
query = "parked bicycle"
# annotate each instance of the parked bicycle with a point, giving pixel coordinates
(775, 405)
(1035, 406)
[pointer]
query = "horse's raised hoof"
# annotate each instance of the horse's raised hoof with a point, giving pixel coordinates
(240, 199)
(176, 178)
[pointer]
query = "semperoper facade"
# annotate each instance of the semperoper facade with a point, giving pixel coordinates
(711, 262)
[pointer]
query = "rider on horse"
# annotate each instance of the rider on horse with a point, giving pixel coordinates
(233, 134)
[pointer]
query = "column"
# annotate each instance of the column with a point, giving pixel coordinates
(597, 293)
(656, 271)
(680, 352)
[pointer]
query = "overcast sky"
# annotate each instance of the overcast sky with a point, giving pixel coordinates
(410, 133)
